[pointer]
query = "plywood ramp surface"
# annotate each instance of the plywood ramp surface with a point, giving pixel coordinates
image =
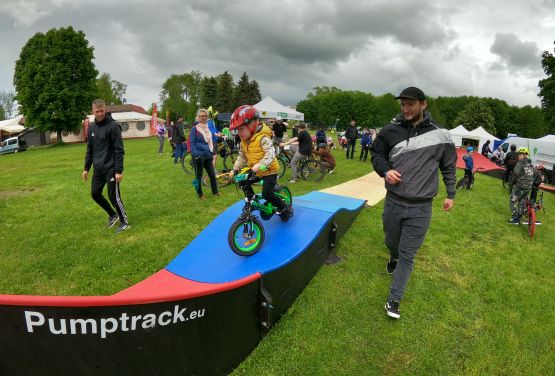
(368, 187)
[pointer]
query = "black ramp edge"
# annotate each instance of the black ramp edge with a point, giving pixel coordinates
(285, 284)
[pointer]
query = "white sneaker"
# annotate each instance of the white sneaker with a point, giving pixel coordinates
(331, 171)
(292, 181)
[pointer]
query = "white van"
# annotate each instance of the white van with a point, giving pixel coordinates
(541, 152)
(13, 145)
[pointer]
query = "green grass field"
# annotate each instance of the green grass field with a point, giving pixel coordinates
(480, 299)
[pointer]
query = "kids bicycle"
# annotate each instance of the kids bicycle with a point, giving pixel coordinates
(246, 234)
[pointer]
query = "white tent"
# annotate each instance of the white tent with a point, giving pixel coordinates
(548, 138)
(481, 135)
(458, 133)
(269, 108)
(11, 125)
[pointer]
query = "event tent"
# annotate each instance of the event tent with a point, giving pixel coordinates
(12, 125)
(269, 108)
(458, 134)
(548, 138)
(481, 135)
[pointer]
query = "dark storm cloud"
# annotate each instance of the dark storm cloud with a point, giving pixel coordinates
(514, 52)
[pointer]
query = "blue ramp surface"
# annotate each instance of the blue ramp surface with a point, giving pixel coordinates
(209, 259)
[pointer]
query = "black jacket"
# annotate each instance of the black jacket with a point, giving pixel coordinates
(105, 147)
(351, 133)
(178, 136)
(416, 153)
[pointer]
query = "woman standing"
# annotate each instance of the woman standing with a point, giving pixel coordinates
(202, 149)
(161, 132)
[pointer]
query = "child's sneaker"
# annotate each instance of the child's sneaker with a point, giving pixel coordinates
(514, 221)
(286, 214)
(331, 171)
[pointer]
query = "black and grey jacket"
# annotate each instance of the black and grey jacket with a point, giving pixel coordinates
(105, 147)
(416, 153)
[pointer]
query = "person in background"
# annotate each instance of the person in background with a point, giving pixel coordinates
(216, 137)
(321, 136)
(171, 132)
(351, 134)
(511, 159)
(179, 140)
(486, 151)
(469, 166)
(161, 133)
(202, 150)
(304, 151)
(278, 130)
(365, 142)
(327, 160)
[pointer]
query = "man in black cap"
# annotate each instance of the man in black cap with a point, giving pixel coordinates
(408, 153)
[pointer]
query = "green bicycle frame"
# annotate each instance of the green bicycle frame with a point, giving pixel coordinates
(267, 208)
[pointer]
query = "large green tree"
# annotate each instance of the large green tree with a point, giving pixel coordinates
(2, 114)
(111, 91)
(180, 95)
(224, 100)
(547, 89)
(477, 114)
(55, 80)
(254, 91)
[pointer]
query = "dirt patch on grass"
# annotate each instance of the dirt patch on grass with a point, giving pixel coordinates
(16, 192)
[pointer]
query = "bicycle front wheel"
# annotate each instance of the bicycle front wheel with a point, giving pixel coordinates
(245, 237)
(229, 159)
(282, 167)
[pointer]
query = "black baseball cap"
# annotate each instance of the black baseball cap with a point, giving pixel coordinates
(412, 93)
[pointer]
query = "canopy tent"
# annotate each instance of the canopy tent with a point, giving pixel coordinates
(481, 135)
(12, 125)
(548, 138)
(458, 133)
(269, 108)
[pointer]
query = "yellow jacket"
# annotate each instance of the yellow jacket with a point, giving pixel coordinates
(254, 153)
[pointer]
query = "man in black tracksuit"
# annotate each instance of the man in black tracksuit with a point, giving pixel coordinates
(351, 134)
(408, 153)
(105, 154)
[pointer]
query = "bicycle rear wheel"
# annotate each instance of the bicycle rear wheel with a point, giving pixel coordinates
(310, 170)
(187, 163)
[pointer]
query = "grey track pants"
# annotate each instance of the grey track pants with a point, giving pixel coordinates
(405, 230)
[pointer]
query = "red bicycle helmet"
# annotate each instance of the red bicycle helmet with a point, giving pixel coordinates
(243, 115)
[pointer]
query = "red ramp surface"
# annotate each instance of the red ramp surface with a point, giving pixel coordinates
(480, 162)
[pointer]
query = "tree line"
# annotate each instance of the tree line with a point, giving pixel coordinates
(182, 94)
(332, 106)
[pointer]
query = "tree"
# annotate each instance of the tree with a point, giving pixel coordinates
(119, 89)
(55, 80)
(8, 104)
(477, 114)
(2, 114)
(547, 89)
(208, 92)
(224, 99)
(242, 92)
(174, 95)
(255, 95)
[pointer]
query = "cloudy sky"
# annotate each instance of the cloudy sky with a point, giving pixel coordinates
(485, 48)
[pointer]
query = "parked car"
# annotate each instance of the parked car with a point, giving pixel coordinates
(13, 145)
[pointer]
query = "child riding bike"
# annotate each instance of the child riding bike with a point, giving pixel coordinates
(258, 153)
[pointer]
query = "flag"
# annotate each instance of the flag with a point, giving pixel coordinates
(154, 119)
